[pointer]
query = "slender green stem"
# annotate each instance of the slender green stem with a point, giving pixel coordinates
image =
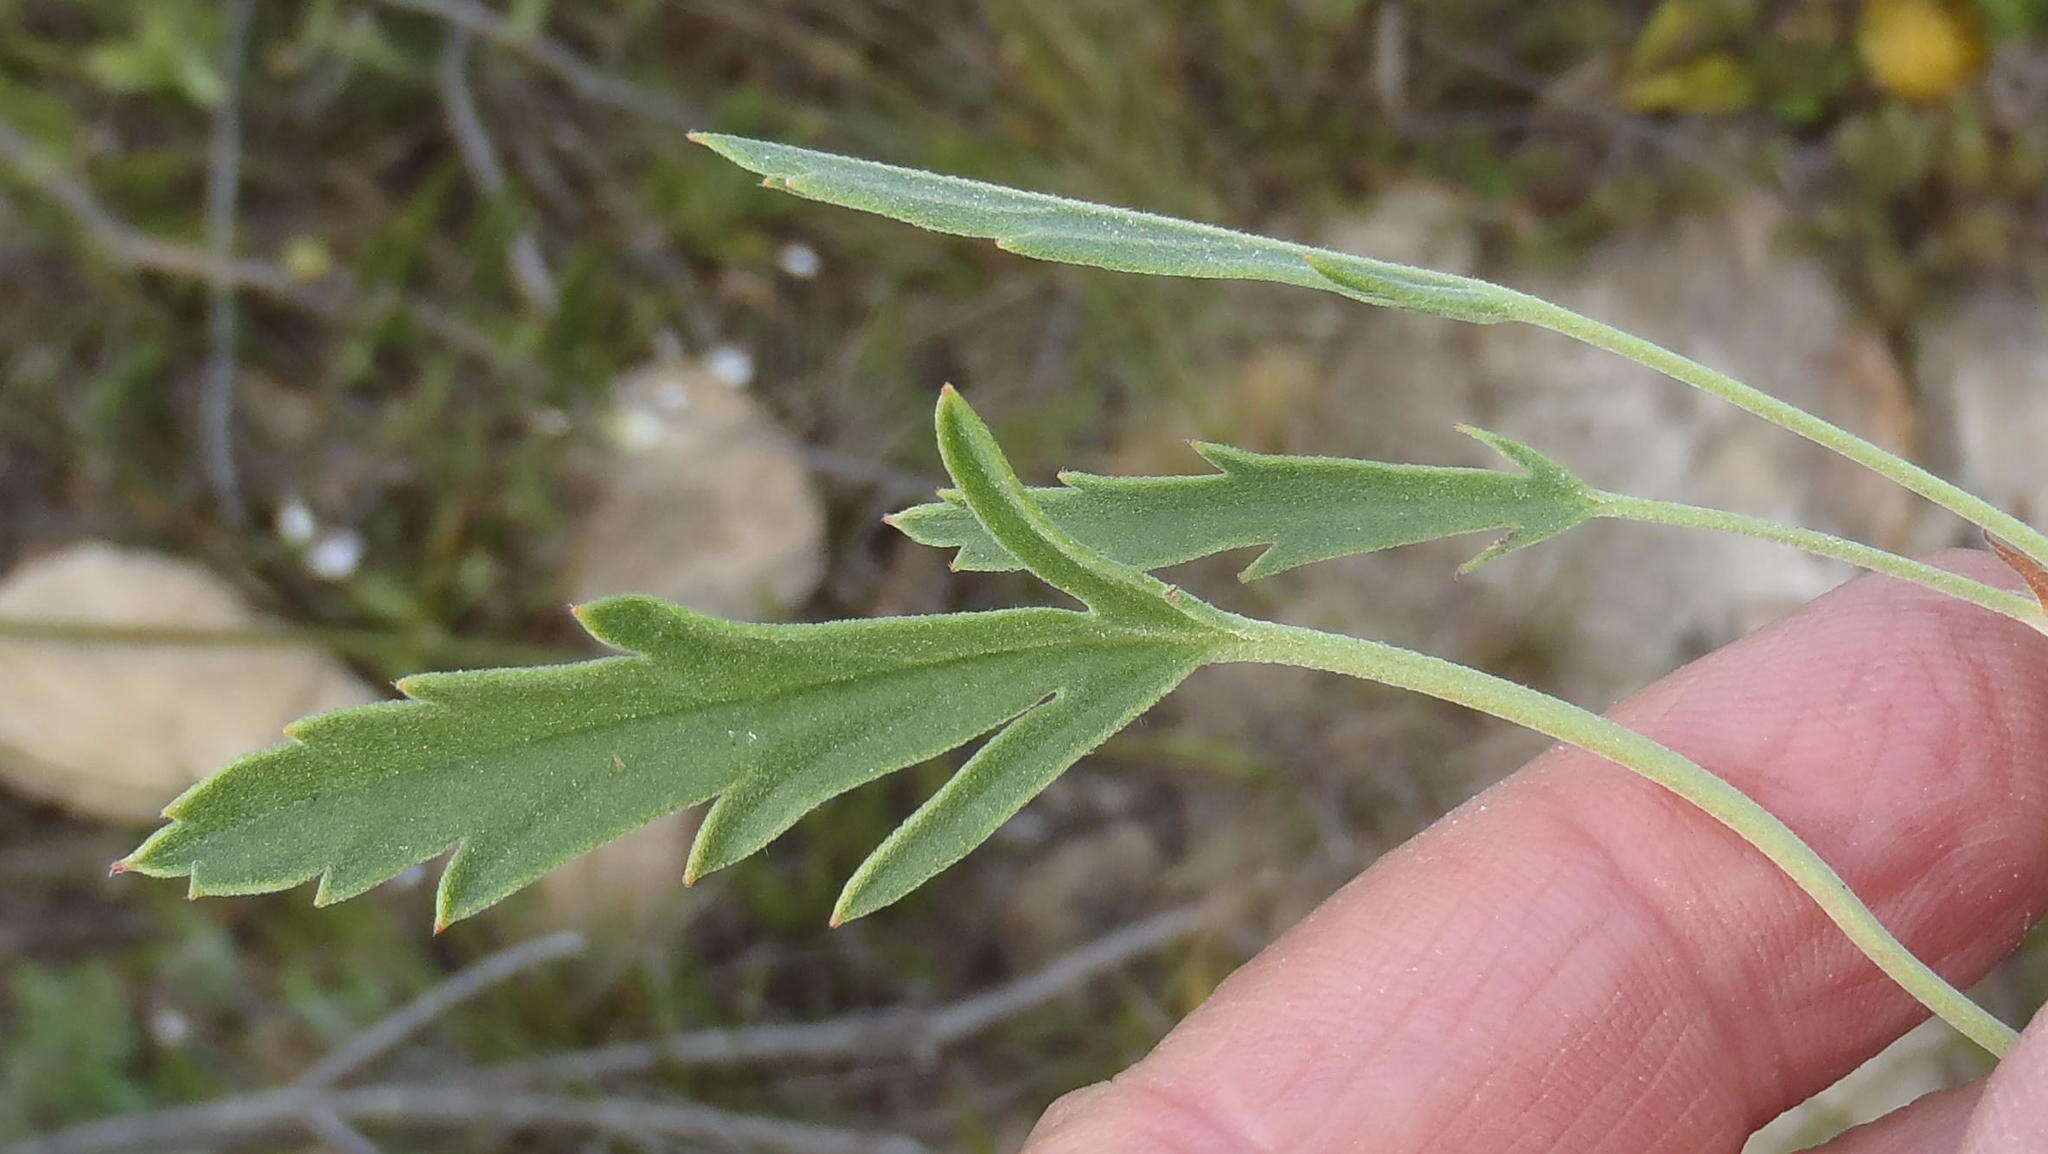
(2014, 605)
(1964, 504)
(1292, 645)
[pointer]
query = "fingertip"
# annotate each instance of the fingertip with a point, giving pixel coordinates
(1134, 1115)
(2012, 1115)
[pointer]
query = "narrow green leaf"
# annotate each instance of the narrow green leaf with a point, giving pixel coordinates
(1077, 232)
(1023, 759)
(1303, 508)
(1009, 771)
(518, 770)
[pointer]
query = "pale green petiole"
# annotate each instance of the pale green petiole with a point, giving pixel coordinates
(1954, 498)
(1373, 661)
(1512, 305)
(2017, 606)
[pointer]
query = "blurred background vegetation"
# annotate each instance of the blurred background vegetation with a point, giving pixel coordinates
(386, 327)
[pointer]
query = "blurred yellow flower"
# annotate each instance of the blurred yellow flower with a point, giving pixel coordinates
(1714, 83)
(1921, 49)
(307, 257)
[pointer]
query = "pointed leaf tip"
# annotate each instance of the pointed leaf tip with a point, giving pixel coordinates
(771, 720)
(1419, 290)
(2030, 571)
(1057, 228)
(1007, 512)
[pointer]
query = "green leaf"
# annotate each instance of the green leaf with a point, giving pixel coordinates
(1303, 508)
(1077, 232)
(521, 769)
(1022, 760)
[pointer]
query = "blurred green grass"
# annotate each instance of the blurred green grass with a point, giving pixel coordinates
(439, 412)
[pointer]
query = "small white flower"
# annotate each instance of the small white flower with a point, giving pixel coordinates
(799, 260)
(635, 429)
(169, 1027)
(336, 555)
(730, 365)
(295, 522)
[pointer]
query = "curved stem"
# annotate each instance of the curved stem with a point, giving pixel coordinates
(1311, 649)
(2014, 605)
(1964, 504)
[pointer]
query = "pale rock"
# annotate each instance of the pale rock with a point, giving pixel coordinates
(1723, 290)
(1610, 605)
(1417, 223)
(1985, 361)
(701, 499)
(113, 731)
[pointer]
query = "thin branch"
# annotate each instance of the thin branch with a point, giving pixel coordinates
(1390, 60)
(335, 300)
(480, 157)
(488, 1097)
(459, 988)
(912, 1033)
(223, 195)
(330, 1128)
(586, 80)
(279, 1111)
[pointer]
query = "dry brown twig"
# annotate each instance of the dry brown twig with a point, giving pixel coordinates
(492, 1096)
(250, 1116)
(523, 255)
(586, 80)
(334, 298)
(916, 1033)
(408, 1019)
(223, 196)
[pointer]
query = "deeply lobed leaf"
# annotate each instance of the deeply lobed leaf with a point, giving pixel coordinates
(520, 769)
(1078, 232)
(1303, 509)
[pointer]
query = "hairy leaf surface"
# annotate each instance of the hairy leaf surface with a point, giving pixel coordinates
(1303, 508)
(521, 769)
(1077, 232)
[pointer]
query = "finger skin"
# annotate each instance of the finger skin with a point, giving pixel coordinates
(2012, 1116)
(1578, 962)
